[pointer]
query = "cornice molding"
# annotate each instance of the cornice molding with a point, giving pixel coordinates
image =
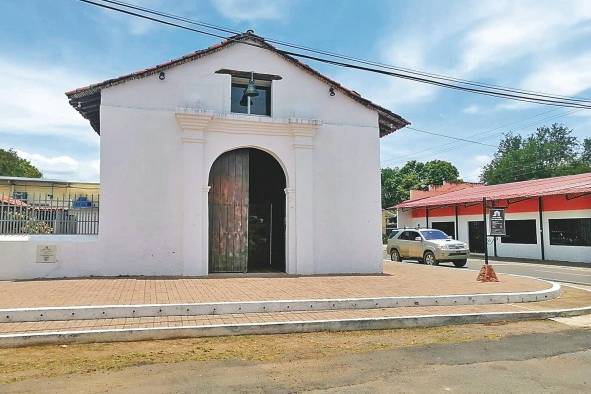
(203, 121)
(193, 122)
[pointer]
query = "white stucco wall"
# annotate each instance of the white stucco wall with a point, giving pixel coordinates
(531, 251)
(160, 138)
(77, 255)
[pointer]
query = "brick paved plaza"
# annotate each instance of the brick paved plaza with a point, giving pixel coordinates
(399, 279)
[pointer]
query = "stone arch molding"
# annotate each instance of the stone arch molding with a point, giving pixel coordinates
(213, 156)
(204, 136)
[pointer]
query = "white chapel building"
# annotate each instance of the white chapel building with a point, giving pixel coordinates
(236, 158)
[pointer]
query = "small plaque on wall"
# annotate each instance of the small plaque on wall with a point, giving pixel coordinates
(46, 253)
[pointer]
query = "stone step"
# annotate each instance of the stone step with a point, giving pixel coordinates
(152, 328)
(239, 307)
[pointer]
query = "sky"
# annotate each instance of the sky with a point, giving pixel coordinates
(49, 47)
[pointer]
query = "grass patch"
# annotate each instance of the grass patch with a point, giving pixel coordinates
(55, 360)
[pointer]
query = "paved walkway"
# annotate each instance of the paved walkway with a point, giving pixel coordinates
(570, 298)
(400, 279)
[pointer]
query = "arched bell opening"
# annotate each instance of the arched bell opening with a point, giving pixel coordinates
(246, 212)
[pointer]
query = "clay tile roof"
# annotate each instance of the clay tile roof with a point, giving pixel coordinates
(5, 200)
(570, 184)
(86, 100)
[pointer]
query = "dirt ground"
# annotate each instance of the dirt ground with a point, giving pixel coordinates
(38, 362)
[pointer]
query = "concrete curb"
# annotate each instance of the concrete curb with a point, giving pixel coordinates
(156, 333)
(217, 308)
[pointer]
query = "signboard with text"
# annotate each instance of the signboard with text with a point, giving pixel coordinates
(46, 254)
(497, 221)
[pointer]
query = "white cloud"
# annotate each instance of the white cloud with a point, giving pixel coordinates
(135, 25)
(471, 109)
(33, 101)
(63, 167)
(408, 52)
(252, 10)
(476, 164)
(488, 43)
(515, 29)
(567, 77)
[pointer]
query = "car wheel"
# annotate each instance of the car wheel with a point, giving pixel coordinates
(429, 258)
(394, 255)
(460, 263)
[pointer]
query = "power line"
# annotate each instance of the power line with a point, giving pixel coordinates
(449, 136)
(514, 95)
(483, 132)
(330, 62)
(520, 128)
(452, 146)
(350, 58)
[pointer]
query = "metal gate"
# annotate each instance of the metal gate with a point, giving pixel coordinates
(228, 212)
(476, 239)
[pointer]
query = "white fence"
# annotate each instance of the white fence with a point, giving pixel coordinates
(69, 214)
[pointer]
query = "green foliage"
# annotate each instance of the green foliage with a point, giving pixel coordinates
(397, 182)
(12, 165)
(550, 151)
(437, 171)
(586, 155)
(26, 223)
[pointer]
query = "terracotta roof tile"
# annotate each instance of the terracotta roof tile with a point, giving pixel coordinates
(12, 201)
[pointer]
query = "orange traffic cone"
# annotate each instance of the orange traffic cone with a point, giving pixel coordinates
(487, 274)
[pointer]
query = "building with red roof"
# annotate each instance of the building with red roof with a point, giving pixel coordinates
(545, 218)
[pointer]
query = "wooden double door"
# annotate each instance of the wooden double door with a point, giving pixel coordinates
(246, 213)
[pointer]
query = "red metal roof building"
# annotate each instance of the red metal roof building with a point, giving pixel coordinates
(546, 218)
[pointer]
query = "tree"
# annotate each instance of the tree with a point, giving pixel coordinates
(13, 165)
(550, 151)
(586, 155)
(437, 171)
(397, 182)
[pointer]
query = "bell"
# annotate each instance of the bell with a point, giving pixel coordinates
(243, 101)
(251, 89)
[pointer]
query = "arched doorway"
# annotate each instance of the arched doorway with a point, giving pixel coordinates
(246, 212)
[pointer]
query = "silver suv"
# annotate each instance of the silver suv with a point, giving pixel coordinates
(427, 245)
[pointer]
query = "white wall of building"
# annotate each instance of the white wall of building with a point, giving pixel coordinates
(77, 255)
(160, 138)
(560, 252)
(530, 251)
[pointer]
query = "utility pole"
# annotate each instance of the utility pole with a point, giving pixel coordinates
(484, 235)
(487, 273)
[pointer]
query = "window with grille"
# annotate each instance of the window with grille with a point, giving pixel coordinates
(520, 232)
(570, 232)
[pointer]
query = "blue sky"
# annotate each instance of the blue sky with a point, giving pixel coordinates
(49, 47)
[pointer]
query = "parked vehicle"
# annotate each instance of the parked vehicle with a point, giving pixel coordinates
(427, 245)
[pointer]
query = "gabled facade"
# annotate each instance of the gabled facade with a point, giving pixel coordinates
(192, 184)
